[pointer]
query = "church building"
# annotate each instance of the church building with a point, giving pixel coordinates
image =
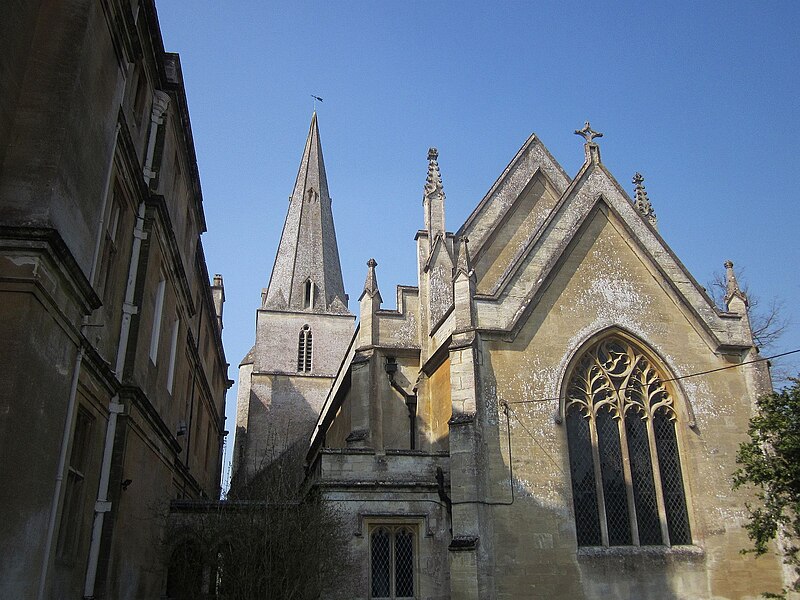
(553, 411)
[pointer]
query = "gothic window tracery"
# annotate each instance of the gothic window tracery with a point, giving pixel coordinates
(304, 349)
(627, 483)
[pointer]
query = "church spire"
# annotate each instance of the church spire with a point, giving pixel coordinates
(307, 275)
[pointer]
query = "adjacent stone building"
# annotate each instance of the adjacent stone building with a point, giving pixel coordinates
(113, 372)
(552, 412)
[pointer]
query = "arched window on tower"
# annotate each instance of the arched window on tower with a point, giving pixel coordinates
(308, 297)
(627, 483)
(304, 348)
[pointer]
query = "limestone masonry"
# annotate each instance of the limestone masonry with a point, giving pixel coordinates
(526, 423)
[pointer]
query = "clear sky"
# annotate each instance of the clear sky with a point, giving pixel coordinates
(702, 97)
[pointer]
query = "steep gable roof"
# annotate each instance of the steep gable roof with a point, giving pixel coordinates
(529, 274)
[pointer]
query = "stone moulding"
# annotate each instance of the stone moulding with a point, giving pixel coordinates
(462, 419)
(463, 543)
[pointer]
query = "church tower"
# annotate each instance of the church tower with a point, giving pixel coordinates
(303, 326)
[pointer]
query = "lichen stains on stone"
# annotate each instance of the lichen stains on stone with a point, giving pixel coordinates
(441, 292)
(407, 334)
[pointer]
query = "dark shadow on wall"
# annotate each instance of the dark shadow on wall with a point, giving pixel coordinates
(277, 433)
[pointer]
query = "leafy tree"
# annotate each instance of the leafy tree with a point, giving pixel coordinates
(770, 464)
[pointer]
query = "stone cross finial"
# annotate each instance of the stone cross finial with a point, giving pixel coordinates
(642, 202)
(588, 133)
(433, 154)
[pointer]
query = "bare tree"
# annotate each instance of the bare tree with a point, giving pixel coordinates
(268, 539)
(768, 320)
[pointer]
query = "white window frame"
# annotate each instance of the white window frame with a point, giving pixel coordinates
(176, 325)
(158, 309)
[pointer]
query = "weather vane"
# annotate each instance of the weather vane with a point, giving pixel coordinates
(315, 101)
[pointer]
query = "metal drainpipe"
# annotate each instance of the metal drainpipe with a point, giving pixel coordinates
(62, 461)
(102, 505)
(115, 408)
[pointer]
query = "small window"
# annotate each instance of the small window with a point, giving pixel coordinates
(140, 99)
(392, 562)
(308, 301)
(109, 242)
(304, 348)
(74, 491)
(627, 483)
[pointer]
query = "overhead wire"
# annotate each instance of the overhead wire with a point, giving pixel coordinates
(697, 374)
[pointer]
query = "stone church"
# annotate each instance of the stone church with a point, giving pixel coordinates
(553, 411)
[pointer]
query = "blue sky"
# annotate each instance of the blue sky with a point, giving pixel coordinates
(703, 98)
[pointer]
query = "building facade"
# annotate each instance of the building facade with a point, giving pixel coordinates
(114, 376)
(552, 412)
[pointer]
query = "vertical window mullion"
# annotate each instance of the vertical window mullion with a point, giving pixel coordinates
(662, 511)
(598, 480)
(626, 472)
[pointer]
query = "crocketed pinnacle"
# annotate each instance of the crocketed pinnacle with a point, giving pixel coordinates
(642, 202)
(731, 285)
(433, 183)
(433, 197)
(307, 274)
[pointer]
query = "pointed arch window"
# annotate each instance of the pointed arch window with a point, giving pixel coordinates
(304, 348)
(627, 483)
(308, 294)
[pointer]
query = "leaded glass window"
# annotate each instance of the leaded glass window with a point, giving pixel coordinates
(392, 562)
(627, 483)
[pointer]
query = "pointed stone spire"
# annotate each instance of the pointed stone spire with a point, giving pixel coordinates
(433, 197)
(371, 284)
(307, 275)
(591, 149)
(464, 288)
(463, 262)
(642, 202)
(732, 289)
(369, 304)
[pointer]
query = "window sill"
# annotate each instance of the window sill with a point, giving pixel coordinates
(621, 551)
